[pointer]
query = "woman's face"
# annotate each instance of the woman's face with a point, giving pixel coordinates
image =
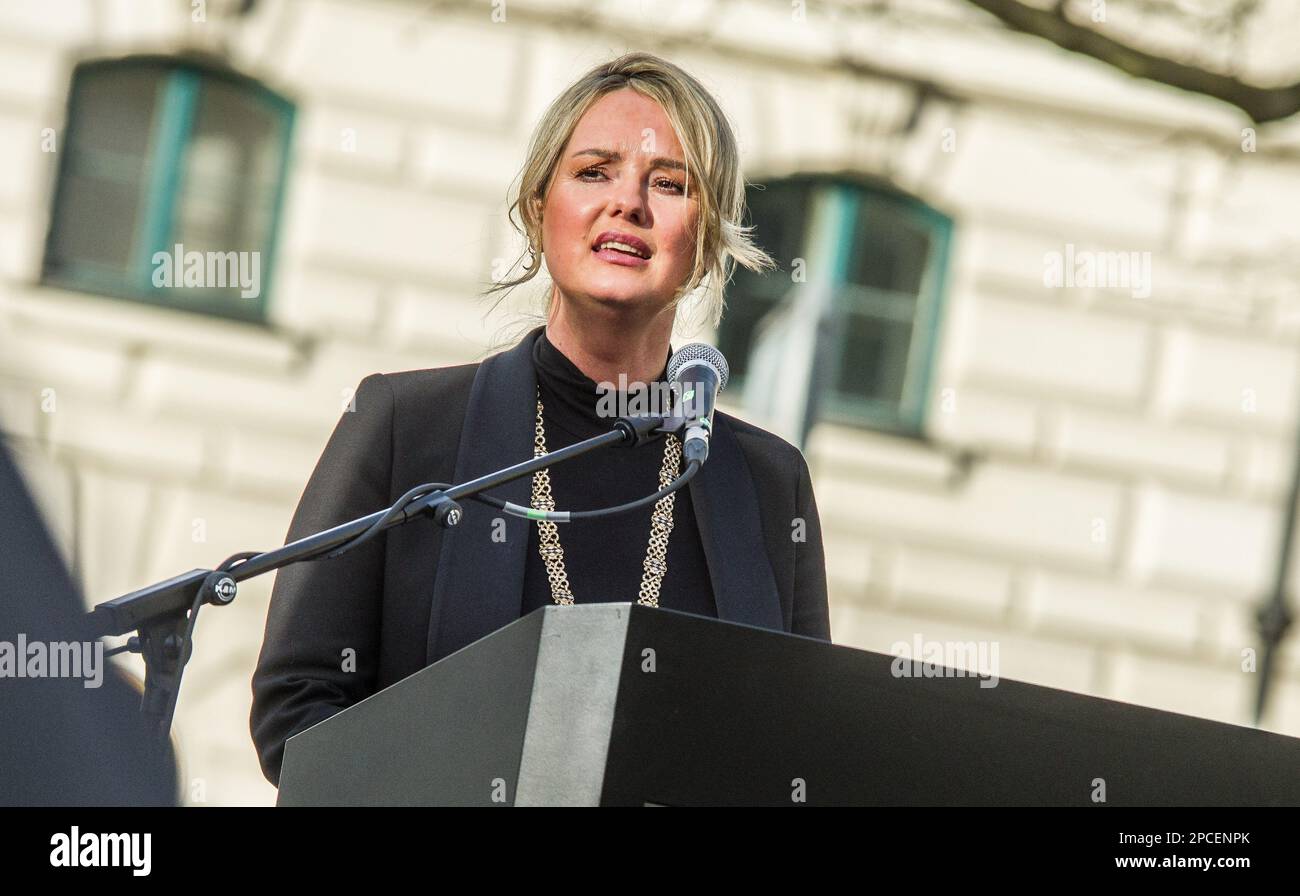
(620, 179)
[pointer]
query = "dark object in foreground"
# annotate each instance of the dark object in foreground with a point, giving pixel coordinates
(62, 743)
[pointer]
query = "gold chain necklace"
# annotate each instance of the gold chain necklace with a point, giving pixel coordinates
(661, 524)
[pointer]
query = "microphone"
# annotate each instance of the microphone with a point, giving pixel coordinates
(698, 372)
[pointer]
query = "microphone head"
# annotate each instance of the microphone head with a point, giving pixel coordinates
(699, 351)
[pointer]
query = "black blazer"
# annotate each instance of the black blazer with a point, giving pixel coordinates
(339, 630)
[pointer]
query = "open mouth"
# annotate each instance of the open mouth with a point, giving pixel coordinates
(621, 248)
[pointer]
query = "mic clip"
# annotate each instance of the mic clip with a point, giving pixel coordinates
(444, 511)
(639, 430)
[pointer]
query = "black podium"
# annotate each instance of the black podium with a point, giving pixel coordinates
(618, 704)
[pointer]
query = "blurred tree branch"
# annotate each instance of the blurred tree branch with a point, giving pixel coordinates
(1262, 104)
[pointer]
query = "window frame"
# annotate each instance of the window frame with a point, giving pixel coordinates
(908, 415)
(844, 195)
(180, 87)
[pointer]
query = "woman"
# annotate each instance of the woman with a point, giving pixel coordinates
(632, 192)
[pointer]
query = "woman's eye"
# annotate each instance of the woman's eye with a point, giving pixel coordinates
(666, 183)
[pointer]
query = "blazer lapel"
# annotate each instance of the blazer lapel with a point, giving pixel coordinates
(479, 585)
(729, 516)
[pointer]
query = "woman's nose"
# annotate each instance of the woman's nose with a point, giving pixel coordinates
(629, 201)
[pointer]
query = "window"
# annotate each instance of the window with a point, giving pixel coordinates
(855, 301)
(161, 157)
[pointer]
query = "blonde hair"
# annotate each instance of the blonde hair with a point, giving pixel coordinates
(722, 240)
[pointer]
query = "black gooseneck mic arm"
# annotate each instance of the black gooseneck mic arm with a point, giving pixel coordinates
(164, 614)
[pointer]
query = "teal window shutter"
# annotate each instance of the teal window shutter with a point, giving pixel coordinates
(158, 153)
(857, 301)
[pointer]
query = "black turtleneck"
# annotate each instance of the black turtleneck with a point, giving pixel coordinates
(603, 556)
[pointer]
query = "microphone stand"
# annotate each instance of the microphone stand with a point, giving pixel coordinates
(164, 614)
